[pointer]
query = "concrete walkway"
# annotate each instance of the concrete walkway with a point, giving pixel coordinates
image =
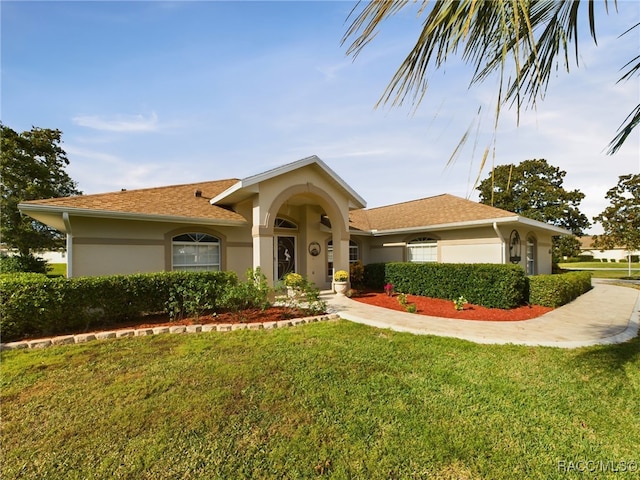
(607, 314)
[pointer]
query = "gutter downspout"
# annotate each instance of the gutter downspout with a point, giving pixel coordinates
(67, 226)
(502, 243)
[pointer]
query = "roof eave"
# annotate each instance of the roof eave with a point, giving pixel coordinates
(475, 223)
(85, 212)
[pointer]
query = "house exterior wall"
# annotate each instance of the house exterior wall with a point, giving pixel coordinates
(470, 245)
(109, 246)
(614, 254)
(102, 246)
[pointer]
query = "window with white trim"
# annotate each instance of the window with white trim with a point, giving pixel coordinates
(195, 252)
(354, 255)
(422, 250)
(531, 255)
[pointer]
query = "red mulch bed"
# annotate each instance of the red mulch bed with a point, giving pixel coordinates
(272, 314)
(437, 307)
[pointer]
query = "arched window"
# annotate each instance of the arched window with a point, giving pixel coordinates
(195, 252)
(354, 255)
(284, 223)
(422, 250)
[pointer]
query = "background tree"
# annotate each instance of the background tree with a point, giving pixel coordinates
(565, 246)
(621, 219)
(32, 166)
(534, 189)
(523, 41)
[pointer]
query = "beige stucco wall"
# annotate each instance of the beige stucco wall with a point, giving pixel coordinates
(471, 245)
(109, 246)
(90, 260)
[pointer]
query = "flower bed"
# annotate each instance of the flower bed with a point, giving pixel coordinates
(445, 308)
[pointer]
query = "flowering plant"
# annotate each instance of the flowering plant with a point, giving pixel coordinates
(293, 280)
(459, 302)
(341, 276)
(388, 288)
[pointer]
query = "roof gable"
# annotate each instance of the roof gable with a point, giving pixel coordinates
(248, 186)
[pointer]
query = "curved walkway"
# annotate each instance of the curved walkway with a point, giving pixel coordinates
(606, 314)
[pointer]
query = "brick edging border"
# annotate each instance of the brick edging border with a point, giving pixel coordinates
(140, 332)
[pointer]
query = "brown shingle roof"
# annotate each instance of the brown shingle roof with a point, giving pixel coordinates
(439, 210)
(586, 242)
(174, 201)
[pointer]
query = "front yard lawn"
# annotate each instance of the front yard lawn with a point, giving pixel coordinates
(333, 399)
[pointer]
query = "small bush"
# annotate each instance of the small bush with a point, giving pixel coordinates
(356, 273)
(20, 264)
(558, 290)
(305, 298)
(254, 293)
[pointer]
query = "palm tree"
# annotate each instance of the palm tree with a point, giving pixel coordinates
(522, 40)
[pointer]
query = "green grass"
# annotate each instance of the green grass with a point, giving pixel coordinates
(601, 270)
(58, 269)
(332, 399)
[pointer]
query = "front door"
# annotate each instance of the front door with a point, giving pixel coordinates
(286, 256)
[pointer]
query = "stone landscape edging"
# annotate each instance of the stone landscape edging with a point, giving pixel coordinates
(140, 332)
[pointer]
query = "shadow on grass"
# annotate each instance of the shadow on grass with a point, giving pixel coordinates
(612, 357)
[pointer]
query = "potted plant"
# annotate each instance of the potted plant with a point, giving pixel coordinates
(341, 282)
(294, 283)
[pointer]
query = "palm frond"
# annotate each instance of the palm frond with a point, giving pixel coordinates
(524, 42)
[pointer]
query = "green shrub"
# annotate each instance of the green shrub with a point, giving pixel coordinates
(32, 304)
(254, 293)
(490, 285)
(20, 264)
(194, 293)
(304, 298)
(557, 290)
(374, 275)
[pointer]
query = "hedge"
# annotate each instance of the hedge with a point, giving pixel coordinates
(490, 285)
(32, 304)
(557, 290)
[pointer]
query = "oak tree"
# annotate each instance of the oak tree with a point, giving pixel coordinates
(534, 190)
(621, 219)
(32, 165)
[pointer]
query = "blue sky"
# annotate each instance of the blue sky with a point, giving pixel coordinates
(159, 93)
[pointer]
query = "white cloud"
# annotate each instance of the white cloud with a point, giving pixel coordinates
(119, 123)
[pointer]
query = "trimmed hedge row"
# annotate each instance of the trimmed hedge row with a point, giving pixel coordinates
(32, 304)
(491, 285)
(557, 290)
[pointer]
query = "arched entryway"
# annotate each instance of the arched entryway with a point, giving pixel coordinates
(291, 233)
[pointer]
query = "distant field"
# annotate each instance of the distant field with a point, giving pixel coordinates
(605, 270)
